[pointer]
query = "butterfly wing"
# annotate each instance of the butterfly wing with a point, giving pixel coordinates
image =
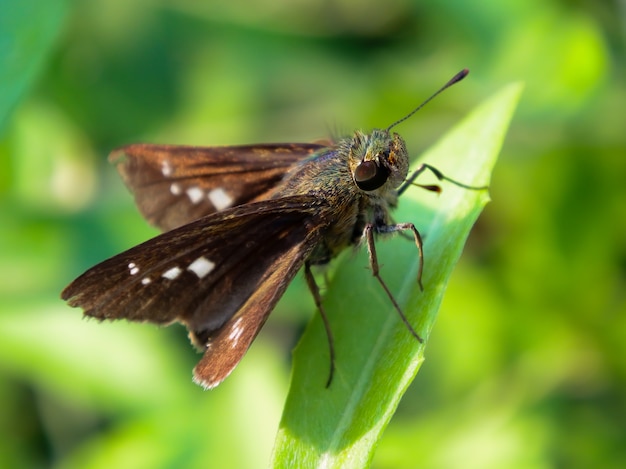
(221, 276)
(225, 348)
(175, 185)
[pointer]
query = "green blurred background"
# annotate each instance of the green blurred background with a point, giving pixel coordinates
(526, 367)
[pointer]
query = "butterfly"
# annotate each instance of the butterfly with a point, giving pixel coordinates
(239, 222)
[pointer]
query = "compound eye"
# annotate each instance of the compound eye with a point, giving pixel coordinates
(368, 176)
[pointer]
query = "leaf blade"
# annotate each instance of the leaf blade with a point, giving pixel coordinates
(339, 426)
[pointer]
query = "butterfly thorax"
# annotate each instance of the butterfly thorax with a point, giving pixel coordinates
(353, 197)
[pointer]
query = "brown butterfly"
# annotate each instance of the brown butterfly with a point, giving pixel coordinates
(239, 223)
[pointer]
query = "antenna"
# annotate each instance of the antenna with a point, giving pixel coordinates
(455, 79)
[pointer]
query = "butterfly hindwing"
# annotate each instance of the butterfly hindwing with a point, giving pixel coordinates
(227, 345)
(175, 185)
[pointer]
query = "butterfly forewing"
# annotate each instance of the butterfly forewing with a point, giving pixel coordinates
(220, 276)
(175, 185)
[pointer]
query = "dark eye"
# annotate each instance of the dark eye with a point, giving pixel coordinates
(369, 176)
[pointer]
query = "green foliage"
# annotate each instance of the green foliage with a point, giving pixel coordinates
(28, 30)
(526, 364)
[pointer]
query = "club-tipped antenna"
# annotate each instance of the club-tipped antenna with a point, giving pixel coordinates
(455, 79)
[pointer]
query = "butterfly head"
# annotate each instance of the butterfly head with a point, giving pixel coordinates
(378, 161)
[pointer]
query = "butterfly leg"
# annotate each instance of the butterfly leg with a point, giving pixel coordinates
(315, 291)
(368, 234)
(439, 175)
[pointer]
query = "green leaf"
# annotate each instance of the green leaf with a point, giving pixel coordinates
(28, 30)
(376, 356)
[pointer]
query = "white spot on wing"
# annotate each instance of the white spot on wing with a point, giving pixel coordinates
(220, 199)
(166, 168)
(145, 280)
(133, 268)
(235, 334)
(172, 273)
(175, 189)
(201, 267)
(195, 194)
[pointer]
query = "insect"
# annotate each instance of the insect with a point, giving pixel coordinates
(240, 222)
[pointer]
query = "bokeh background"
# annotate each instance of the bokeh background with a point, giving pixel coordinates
(526, 367)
